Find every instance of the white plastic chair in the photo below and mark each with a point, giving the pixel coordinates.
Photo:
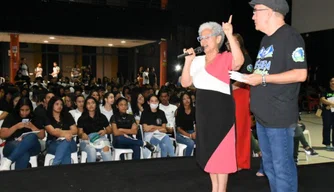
(145, 153)
(180, 148)
(308, 135)
(116, 154)
(32, 161)
(49, 159)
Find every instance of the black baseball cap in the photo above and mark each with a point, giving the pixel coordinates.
(280, 6)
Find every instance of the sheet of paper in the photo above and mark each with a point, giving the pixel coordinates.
(331, 99)
(62, 138)
(237, 76)
(185, 136)
(31, 132)
(157, 134)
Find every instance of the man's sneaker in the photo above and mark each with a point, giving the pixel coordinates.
(150, 147)
(329, 148)
(311, 152)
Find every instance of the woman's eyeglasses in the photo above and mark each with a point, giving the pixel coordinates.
(200, 38)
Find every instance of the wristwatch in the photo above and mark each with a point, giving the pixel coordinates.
(264, 80)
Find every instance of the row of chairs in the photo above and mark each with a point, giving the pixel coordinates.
(116, 153)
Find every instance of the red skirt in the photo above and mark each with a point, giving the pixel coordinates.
(243, 127)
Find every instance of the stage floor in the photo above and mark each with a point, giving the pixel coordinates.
(154, 175)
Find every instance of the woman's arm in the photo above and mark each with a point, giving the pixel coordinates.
(31, 126)
(109, 129)
(183, 132)
(132, 131)
(53, 131)
(162, 128)
(149, 128)
(74, 129)
(82, 135)
(6, 132)
(238, 56)
(3, 115)
(115, 130)
(325, 101)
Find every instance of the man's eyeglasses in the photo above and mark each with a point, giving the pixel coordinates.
(200, 38)
(256, 10)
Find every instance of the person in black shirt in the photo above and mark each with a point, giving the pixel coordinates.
(247, 67)
(92, 121)
(5, 101)
(40, 110)
(242, 111)
(61, 129)
(152, 76)
(185, 122)
(124, 127)
(327, 99)
(280, 68)
(18, 147)
(154, 123)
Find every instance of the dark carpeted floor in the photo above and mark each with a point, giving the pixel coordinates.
(155, 175)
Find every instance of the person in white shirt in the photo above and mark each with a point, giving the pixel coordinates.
(169, 110)
(38, 70)
(127, 96)
(137, 102)
(56, 70)
(24, 67)
(75, 73)
(146, 80)
(106, 107)
(79, 103)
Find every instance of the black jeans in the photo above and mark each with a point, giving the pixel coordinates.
(328, 126)
(299, 137)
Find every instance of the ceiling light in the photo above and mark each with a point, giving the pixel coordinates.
(46, 41)
(110, 44)
(51, 37)
(123, 41)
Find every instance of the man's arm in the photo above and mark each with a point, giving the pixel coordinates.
(292, 76)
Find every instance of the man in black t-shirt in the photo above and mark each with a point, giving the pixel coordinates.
(328, 116)
(278, 71)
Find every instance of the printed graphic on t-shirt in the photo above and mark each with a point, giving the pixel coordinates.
(328, 95)
(262, 65)
(298, 55)
(250, 68)
(159, 121)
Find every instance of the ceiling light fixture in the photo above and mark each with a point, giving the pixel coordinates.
(123, 42)
(46, 41)
(51, 37)
(110, 44)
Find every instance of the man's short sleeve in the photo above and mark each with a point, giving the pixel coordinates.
(295, 50)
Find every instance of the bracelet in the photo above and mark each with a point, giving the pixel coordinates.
(264, 80)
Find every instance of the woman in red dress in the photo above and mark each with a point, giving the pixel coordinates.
(242, 109)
